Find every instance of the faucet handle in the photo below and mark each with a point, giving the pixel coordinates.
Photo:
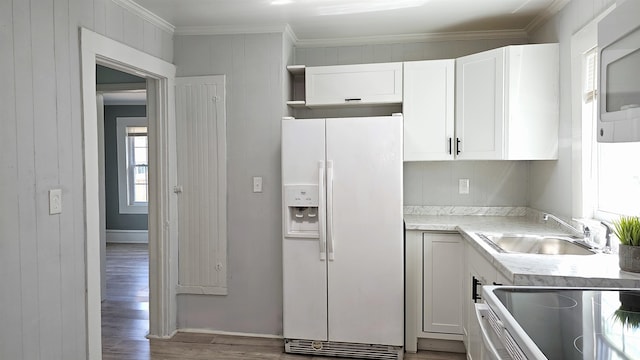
(607, 236)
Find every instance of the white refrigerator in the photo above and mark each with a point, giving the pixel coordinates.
(343, 251)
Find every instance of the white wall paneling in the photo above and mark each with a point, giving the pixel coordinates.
(42, 256)
(202, 176)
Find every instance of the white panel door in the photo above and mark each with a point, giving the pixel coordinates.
(304, 273)
(202, 173)
(480, 105)
(428, 109)
(364, 222)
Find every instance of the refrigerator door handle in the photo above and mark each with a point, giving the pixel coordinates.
(330, 235)
(322, 221)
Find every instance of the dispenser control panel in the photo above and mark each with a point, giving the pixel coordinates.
(301, 195)
(301, 215)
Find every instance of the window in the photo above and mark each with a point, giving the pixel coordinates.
(618, 179)
(133, 165)
(610, 171)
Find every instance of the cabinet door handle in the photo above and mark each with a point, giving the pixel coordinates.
(457, 146)
(352, 99)
(474, 289)
(450, 146)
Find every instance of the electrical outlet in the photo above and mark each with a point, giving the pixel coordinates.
(55, 201)
(257, 184)
(463, 186)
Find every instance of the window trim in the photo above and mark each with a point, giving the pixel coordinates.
(123, 204)
(583, 201)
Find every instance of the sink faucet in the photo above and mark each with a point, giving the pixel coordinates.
(607, 236)
(586, 232)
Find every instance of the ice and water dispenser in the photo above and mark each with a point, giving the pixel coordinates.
(301, 215)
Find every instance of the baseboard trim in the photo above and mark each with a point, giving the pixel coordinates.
(230, 333)
(128, 236)
(454, 346)
(157, 337)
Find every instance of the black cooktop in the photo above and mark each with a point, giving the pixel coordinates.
(581, 324)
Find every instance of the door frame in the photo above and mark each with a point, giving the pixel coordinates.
(163, 233)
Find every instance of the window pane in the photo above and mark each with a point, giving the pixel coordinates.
(137, 155)
(136, 130)
(619, 178)
(140, 193)
(140, 156)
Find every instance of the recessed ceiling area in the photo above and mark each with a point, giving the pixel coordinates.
(314, 20)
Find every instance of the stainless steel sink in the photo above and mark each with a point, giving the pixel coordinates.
(536, 244)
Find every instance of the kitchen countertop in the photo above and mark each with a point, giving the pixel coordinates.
(598, 270)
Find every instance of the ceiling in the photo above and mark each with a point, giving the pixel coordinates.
(322, 20)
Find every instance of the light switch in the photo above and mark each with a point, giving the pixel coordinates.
(463, 186)
(257, 184)
(55, 201)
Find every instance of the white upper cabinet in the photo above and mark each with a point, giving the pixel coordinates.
(507, 104)
(365, 84)
(428, 108)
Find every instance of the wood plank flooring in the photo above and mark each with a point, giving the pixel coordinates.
(125, 314)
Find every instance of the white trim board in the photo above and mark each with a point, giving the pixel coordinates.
(146, 14)
(231, 333)
(128, 236)
(163, 274)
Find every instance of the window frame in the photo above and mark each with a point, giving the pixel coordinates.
(584, 175)
(124, 206)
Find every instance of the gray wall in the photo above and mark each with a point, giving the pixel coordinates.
(256, 83)
(551, 181)
(115, 220)
(42, 266)
(253, 65)
(491, 183)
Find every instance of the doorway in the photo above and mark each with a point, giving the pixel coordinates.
(124, 178)
(160, 76)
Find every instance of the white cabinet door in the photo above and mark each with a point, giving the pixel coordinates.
(482, 272)
(480, 105)
(366, 274)
(443, 271)
(304, 273)
(428, 109)
(507, 103)
(354, 84)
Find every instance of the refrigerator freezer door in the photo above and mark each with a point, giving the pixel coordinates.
(366, 283)
(304, 272)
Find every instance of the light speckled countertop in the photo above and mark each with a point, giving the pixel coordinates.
(599, 270)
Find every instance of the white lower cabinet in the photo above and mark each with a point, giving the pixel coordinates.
(434, 292)
(442, 273)
(478, 272)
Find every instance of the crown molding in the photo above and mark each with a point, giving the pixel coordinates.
(547, 14)
(146, 15)
(426, 37)
(360, 40)
(288, 31)
(235, 29)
